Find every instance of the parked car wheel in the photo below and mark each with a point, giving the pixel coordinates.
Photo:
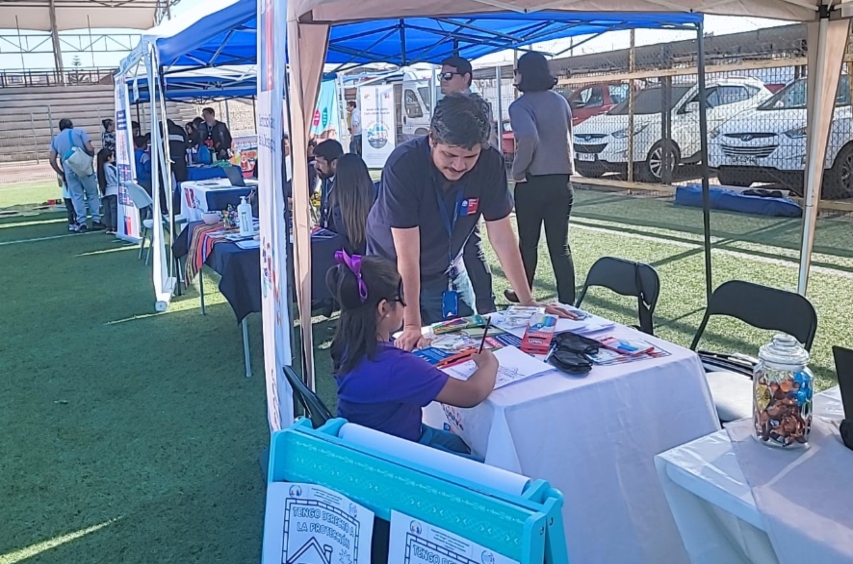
(732, 177)
(838, 181)
(652, 169)
(589, 170)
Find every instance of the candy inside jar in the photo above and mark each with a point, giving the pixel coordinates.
(782, 402)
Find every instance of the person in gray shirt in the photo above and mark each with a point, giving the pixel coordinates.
(541, 121)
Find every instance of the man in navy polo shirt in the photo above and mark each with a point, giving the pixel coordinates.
(434, 190)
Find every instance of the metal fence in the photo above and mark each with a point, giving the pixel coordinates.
(639, 129)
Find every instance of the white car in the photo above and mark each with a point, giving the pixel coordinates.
(769, 143)
(601, 142)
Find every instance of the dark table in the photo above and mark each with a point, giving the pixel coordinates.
(240, 270)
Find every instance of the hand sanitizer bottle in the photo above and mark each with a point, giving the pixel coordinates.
(244, 213)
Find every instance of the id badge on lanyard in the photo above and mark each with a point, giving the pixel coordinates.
(450, 297)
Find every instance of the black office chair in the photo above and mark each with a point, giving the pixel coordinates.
(730, 375)
(627, 278)
(315, 409)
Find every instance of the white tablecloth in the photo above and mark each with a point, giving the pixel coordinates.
(595, 438)
(194, 195)
(712, 501)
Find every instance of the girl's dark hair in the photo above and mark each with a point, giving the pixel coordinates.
(535, 74)
(355, 336)
(103, 156)
(355, 193)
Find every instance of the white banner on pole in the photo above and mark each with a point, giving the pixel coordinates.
(272, 45)
(128, 222)
(164, 282)
(379, 130)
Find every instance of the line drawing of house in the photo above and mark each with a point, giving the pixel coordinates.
(312, 553)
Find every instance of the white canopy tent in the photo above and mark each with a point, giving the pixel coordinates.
(309, 21)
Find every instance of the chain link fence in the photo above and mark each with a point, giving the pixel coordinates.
(636, 126)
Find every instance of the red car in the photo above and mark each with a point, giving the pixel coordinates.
(585, 101)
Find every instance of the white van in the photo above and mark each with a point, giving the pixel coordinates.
(768, 144)
(601, 142)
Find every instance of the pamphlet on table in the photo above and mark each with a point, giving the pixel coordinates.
(513, 366)
(412, 541)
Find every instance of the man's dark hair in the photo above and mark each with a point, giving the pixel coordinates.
(460, 120)
(106, 123)
(351, 104)
(197, 120)
(210, 111)
(462, 66)
(535, 74)
(65, 123)
(330, 150)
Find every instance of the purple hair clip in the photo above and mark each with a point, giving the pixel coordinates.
(354, 264)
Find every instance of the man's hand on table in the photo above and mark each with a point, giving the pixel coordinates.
(553, 309)
(411, 338)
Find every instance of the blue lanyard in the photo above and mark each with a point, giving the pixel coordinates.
(449, 223)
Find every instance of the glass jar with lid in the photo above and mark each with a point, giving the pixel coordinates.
(782, 394)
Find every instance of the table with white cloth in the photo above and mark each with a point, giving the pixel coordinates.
(594, 438)
(213, 195)
(713, 503)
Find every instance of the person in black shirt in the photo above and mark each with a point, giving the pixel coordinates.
(326, 156)
(215, 135)
(178, 145)
(433, 191)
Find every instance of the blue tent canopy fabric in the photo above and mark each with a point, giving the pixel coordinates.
(226, 34)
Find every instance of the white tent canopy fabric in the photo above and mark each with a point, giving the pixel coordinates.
(308, 34)
(339, 11)
(79, 14)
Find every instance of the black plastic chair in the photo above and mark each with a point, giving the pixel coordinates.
(762, 307)
(627, 278)
(315, 409)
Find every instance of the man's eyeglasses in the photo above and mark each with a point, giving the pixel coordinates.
(448, 76)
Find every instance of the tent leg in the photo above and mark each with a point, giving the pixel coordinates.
(703, 136)
(201, 290)
(827, 40)
(244, 326)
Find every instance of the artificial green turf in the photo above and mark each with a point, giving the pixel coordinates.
(114, 415)
(144, 425)
(20, 194)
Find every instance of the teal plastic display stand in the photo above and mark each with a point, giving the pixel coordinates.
(527, 528)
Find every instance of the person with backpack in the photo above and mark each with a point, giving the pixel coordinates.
(71, 155)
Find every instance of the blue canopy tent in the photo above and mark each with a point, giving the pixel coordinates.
(225, 33)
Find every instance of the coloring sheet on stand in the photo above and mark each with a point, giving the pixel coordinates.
(307, 523)
(415, 542)
(514, 364)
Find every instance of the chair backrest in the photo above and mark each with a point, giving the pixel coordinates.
(844, 372)
(138, 195)
(764, 308)
(314, 407)
(627, 278)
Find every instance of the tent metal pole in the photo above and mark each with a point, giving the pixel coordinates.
(403, 43)
(703, 139)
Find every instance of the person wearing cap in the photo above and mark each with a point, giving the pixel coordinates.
(82, 185)
(456, 77)
(542, 124)
(434, 190)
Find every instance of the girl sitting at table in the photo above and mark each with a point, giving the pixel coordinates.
(350, 201)
(108, 183)
(379, 385)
